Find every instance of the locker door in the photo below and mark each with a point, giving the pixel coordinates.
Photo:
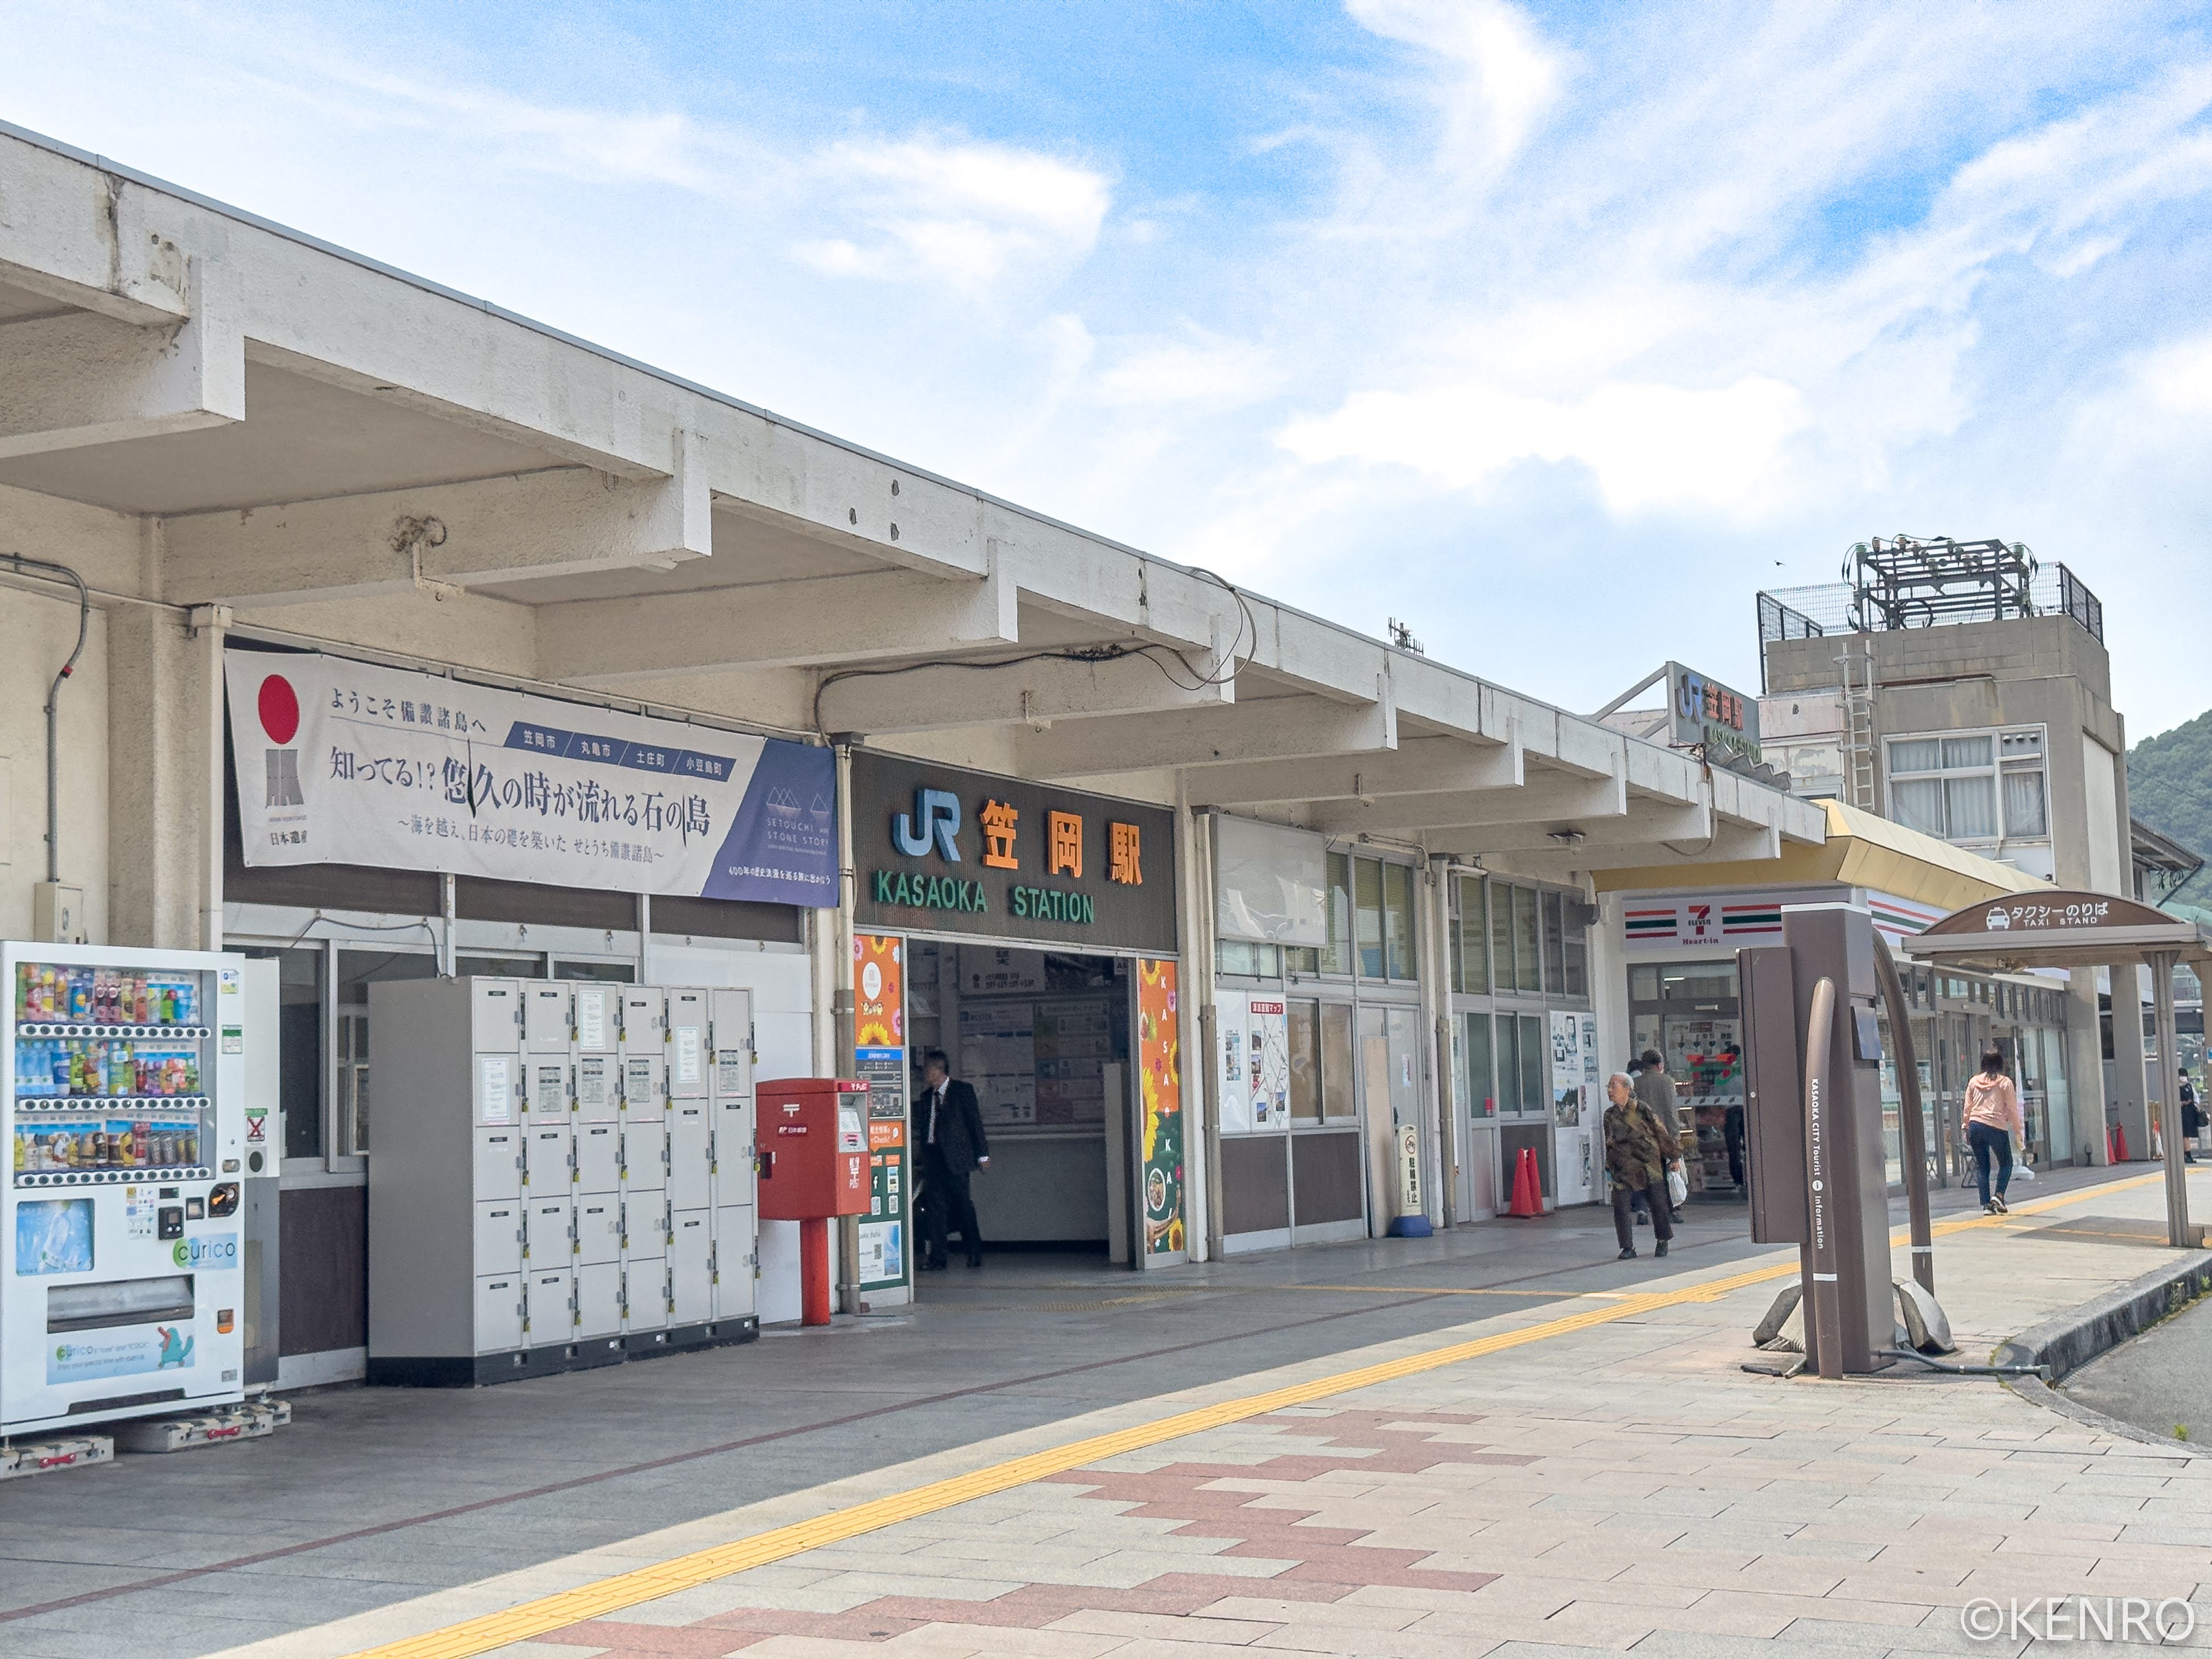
(548, 1232)
(645, 1157)
(599, 1155)
(687, 1045)
(499, 1236)
(598, 1299)
(599, 1084)
(645, 1293)
(732, 1027)
(545, 1082)
(734, 1151)
(690, 1270)
(498, 1163)
(498, 1313)
(599, 1227)
(688, 1154)
(643, 1010)
(498, 1085)
(549, 1158)
(644, 1087)
(644, 1223)
(597, 1019)
(545, 1022)
(548, 1305)
(735, 1250)
(495, 1015)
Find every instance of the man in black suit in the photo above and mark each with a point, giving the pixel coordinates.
(948, 1134)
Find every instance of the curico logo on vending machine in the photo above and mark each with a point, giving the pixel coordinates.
(211, 1254)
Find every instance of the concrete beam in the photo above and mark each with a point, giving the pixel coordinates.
(79, 379)
(1551, 799)
(1419, 765)
(1651, 826)
(823, 623)
(561, 522)
(83, 237)
(1729, 844)
(1276, 729)
(937, 697)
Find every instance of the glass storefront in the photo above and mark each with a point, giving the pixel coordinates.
(1689, 1013)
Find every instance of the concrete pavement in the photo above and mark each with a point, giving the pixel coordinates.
(1593, 1475)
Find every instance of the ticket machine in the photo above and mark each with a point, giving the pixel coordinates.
(812, 1136)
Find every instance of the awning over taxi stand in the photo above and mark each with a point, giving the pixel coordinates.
(2057, 928)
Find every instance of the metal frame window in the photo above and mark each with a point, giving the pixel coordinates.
(1972, 787)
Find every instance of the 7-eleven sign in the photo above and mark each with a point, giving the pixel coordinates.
(1699, 926)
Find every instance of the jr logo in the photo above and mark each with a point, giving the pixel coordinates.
(936, 817)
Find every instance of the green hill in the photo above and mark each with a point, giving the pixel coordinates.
(2170, 788)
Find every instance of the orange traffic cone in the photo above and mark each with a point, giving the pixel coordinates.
(1527, 1191)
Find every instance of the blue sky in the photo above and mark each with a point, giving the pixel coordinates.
(1557, 331)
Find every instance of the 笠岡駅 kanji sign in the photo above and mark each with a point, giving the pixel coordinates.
(940, 849)
(347, 763)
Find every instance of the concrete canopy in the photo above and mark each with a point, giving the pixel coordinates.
(335, 450)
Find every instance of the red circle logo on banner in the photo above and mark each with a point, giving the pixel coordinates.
(279, 707)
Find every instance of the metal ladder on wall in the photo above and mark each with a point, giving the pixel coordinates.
(1859, 778)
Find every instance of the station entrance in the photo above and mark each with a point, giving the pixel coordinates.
(1044, 1039)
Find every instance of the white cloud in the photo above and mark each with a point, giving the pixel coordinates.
(1204, 372)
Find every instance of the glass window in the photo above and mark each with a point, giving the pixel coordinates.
(1577, 955)
(1367, 914)
(1303, 1021)
(299, 1045)
(1964, 751)
(1501, 938)
(490, 967)
(1336, 956)
(1535, 1061)
(1474, 1045)
(1509, 1065)
(1555, 947)
(1338, 1097)
(2025, 810)
(1252, 961)
(1398, 921)
(1917, 754)
(1301, 959)
(1970, 808)
(1918, 804)
(1643, 985)
(1526, 956)
(358, 972)
(614, 973)
(1470, 936)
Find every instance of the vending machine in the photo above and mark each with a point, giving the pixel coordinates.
(122, 1291)
(563, 1178)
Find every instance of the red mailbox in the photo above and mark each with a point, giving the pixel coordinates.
(813, 1138)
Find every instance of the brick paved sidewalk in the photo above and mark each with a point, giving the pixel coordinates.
(1622, 1486)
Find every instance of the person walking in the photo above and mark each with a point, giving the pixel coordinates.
(949, 1131)
(2192, 1119)
(1993, 1118)
(1656, 1090)
(1638, 1147)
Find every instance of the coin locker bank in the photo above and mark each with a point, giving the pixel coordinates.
(122, 1287)
(1029, 931)
(567, 1180)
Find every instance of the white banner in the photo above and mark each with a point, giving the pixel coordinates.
(345, 762)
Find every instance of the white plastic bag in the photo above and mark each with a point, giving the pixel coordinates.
(1677, 1185)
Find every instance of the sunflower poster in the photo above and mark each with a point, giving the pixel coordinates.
(879, 991)
(1159, 1058)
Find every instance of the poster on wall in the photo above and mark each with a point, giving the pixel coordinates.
(345, 762)
(1159, 1058)
(879, 1060)
(1231, 1012)
(1268, 1063)
(1567, 1066)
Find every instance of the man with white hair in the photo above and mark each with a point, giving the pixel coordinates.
(1638, 1147)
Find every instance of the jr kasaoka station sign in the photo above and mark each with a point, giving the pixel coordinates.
(345, 762)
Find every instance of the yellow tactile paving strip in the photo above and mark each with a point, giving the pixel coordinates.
(595, 1600)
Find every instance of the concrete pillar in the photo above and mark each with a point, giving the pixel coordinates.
(2085, 1068)
(164, 778)
(1195, 945)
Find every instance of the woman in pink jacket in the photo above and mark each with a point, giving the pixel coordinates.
(1992, 1119)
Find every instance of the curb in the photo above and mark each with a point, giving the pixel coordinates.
(2075, 1338)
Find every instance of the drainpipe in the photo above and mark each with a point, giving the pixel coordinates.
(53, 703)
(208, 623)
(1436, 998)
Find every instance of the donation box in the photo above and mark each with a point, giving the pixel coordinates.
(813, 1144)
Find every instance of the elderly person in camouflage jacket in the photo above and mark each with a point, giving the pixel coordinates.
(1638, 1147)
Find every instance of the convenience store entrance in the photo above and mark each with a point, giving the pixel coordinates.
(1044, 1038)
